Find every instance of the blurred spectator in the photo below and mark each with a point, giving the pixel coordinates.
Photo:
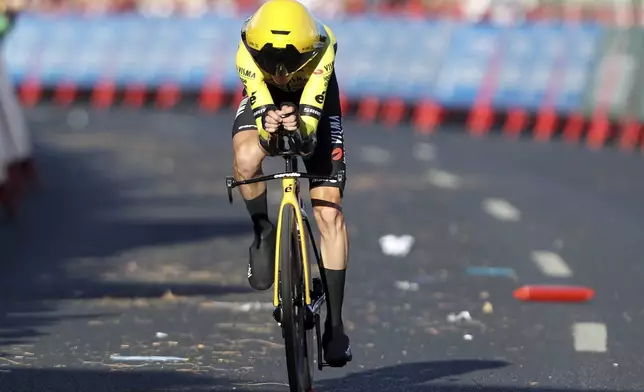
(156, 8)
(504, 11)
(324, 8)
(193, 8)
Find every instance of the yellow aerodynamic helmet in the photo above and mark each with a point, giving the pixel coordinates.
(282, 37)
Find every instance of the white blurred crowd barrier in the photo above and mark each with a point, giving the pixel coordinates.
(16, 152)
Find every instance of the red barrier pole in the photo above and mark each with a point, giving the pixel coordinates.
(547, 117)
(368, 109)
(482, 115)
(609, 76)
(134, 95)
(575, 120)
(104, 91)
(212, 96)
(574, 128)
(104, 94)
(393, 111)
(168, 95)
(65, 93)
(629, 126)
(344, 104)
(631, 134)
(30, 90)
(239, 95)
(599, 129)
(516, 122)
(427, 116)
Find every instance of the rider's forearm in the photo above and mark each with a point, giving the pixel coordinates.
(309, 120)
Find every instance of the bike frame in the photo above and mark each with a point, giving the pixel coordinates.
(291, 197)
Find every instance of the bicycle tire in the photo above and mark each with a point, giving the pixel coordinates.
(293, 308)
(307, 334)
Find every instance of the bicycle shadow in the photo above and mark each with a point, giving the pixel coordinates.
(414, 377)
(407, 377)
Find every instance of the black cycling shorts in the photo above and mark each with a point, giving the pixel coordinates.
(329, 155)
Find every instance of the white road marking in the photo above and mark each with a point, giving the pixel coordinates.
(424, 152)
(375, 155)
(238, 306)
(551, 264)
(501, 210)
(590, 337)
(443, 179)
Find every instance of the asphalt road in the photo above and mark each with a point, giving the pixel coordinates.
(132, 249)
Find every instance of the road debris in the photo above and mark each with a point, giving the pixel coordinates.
(407, 286)
(161, 335)
(147, 358)
(464, 318)
(492, 271)
(398, 246)
(458, 317)
(488, 308)
(467, 336)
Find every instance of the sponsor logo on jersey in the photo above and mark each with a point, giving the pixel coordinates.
(242, 106)
(337, 154)
(311, 111)
(246, 73)
(337, 134)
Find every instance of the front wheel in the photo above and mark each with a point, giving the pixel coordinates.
(296, 338)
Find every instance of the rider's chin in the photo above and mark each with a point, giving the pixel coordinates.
(281, 79)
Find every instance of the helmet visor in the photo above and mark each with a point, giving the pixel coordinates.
(281, 61)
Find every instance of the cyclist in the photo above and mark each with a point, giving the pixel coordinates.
(286, 56)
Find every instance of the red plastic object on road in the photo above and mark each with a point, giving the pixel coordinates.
(554, 293)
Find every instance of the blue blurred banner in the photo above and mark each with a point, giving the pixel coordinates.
(452, 63)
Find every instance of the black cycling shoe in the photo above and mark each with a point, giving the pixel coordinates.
(336, 346)
(261, 267)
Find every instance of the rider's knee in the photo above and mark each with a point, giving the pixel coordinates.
(328, 214)
(248, 159)
(329, 220)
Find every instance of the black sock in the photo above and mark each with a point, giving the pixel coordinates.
(335, 295)
(258, 211)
